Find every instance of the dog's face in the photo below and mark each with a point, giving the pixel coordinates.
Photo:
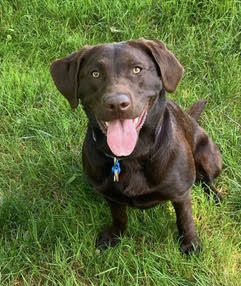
(116, 84)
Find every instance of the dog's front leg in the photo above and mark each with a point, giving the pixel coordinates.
(110, 237)
(185, 224)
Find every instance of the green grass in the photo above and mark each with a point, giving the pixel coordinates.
(49, 215)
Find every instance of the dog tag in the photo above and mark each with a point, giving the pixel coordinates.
(116, 170)
(116, 177)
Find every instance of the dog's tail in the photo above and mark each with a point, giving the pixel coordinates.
(196, 109)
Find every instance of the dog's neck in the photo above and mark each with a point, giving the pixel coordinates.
(154, 120)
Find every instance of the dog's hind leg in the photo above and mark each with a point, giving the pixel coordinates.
(208, 165)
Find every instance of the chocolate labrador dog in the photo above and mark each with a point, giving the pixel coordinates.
(140, 148)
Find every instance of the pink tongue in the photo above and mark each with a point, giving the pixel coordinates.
(121, 137)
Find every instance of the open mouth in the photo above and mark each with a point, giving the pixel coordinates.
(122, 134)
(138, 122)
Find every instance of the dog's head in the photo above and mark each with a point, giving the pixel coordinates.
(116, 84)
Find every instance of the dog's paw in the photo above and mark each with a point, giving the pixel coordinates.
(189, 247)
(218, 198)
(106, 239)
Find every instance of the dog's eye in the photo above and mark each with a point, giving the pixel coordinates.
(95, 74)
(136, 70)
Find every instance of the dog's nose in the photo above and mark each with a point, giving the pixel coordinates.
(117, 102)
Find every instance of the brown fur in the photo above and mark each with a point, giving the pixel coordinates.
(172, 151)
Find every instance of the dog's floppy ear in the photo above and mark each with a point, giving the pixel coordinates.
(170, 68)
(65, 75)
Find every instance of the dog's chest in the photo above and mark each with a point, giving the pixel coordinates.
(138, 185)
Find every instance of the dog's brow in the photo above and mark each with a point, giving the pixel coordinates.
(101, 62)
(136, 62)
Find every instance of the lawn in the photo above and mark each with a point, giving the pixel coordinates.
(49, 214)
